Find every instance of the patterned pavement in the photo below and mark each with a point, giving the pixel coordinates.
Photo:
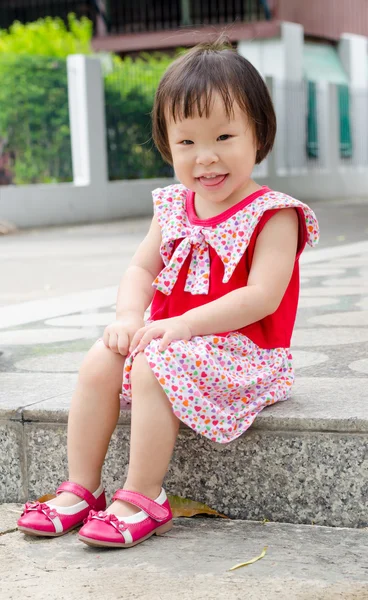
(330, 338)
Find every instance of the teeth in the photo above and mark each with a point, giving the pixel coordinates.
(210, 176)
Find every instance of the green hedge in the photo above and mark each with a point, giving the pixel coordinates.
(129, 92)
(34, 117)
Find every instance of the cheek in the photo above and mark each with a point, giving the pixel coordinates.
(181, 162)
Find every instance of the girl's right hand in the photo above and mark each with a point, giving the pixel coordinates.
(119, 334)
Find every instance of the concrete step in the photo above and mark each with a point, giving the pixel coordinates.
(191, 562)
(303, 461)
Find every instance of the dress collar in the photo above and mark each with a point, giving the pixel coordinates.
(194, 220)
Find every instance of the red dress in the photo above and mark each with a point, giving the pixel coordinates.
(218, 383)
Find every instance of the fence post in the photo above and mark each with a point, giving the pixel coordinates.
(353, 52)
(333, 150)
(271, 158)
(87, 120)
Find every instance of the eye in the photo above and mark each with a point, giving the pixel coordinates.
(186, 142)
(224, 137)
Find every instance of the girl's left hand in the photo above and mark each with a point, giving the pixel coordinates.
(168, 329)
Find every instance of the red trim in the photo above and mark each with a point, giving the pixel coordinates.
(194, 220)
(188, 36)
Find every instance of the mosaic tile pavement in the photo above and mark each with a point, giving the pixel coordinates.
(330, 337)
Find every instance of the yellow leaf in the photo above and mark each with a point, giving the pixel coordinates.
(251, 561)
(184, 507)
(46, 498)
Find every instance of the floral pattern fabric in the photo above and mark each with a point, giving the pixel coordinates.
(217, 385)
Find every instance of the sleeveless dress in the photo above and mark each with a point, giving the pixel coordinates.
(217, 384)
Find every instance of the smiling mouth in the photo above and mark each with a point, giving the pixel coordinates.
(212, 180)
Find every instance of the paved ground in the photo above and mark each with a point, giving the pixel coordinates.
(39, 264)
(57, 293)
(191, 562)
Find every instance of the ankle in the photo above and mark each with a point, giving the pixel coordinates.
(65, 499)
(92, 485)
(152, 491)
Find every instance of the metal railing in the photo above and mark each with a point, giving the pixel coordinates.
(27, 11)
(130, 16)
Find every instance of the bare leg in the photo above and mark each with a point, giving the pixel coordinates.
(154, 429)
(92, 419)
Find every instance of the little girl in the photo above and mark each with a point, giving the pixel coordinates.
(220, 269)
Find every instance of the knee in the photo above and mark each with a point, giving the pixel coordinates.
(101, 366)
(141, 370)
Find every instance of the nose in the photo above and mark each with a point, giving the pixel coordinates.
(206, 158)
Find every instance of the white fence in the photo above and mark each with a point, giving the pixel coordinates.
(92, 197)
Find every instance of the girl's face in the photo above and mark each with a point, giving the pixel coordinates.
(215, 156)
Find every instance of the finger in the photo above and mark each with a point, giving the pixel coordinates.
(105, 337)
(113, 342)
(151, 334)
(123, 342)
(166, 341)
(137, 338)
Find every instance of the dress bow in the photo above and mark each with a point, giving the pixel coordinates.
(199, 270)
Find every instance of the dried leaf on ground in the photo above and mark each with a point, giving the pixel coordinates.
(46, 498)
(185, 507)
(251, 561)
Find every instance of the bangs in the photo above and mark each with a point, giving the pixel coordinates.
(194, 94)
(198, 102)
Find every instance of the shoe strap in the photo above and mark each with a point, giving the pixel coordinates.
(153, 509)
(78, 490)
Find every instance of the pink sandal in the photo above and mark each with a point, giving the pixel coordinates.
(44, 519)
(103, 529)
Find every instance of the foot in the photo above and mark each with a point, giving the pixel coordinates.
(125, 509)
(51, 520)
(68, 499)
(65, 499)
(105, 529)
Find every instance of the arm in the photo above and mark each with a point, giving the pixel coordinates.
(135, 292)
(138, 278)
(272, 267)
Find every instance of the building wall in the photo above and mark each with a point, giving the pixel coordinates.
(325, 18)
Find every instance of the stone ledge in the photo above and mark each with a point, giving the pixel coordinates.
(337, 408)
(296, 477)
(302, 461)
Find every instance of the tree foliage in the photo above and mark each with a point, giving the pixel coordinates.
(49, 37)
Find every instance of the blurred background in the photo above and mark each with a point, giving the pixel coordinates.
(77, 80)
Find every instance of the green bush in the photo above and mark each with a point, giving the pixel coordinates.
(34, 117)
(48, 37)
